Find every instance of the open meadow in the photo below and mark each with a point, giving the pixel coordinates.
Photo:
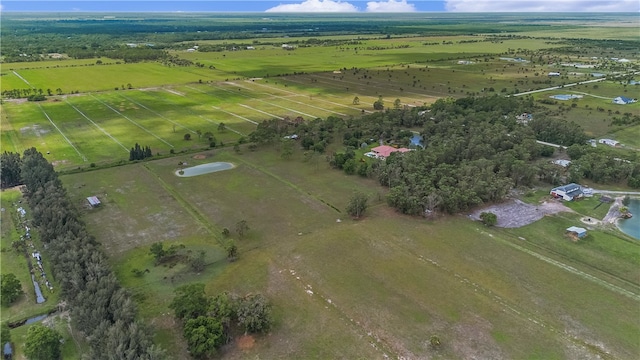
(380, 287)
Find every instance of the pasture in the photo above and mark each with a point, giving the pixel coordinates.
(379, 286)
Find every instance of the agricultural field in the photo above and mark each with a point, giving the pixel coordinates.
(378, 287)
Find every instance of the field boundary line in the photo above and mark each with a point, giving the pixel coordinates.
(264, 101)
(23, 79)
(226, 126)
(158, 114)
(262, 112)
(132, 121)
(331, 102)
(298, 102)
(236, 115)
(96, 125)
(63, 135)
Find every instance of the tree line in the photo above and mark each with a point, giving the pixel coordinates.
(100, 308)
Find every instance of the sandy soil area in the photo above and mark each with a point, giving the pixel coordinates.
(515, 213)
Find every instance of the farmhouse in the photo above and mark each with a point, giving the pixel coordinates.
(576, 232)
(567, 192)
(93, 201)
(609, 142)
(383, 151)
(622, 100)
(562, 162)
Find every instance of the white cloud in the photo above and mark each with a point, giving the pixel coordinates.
(543, 5)
(315, 6)
(390, 6)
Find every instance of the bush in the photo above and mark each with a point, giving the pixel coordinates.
(488, 218)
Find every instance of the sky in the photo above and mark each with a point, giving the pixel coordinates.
(342, 6)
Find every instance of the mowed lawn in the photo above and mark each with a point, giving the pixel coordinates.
(382, 285)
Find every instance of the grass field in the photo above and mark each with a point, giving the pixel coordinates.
(382, 285)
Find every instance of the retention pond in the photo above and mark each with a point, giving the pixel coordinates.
(631, 226)
(204, 169)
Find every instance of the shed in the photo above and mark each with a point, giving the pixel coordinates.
(577, 231)
(93, 201)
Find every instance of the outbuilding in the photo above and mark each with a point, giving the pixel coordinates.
(623, 100)
(577, 232)
(93, 201)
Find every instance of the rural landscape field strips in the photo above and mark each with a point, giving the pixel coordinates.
(96, 125)
(84, 158)
(158, 114)
(132, 121)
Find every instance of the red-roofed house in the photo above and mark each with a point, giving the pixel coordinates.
(383, 151)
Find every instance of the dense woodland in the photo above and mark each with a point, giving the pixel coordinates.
(100, 308)
(475, 152)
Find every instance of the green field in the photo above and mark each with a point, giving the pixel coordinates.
(388, 280)
(375, 288)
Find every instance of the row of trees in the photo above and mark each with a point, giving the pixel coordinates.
(100, 308)
(139, 153)
(210, 322)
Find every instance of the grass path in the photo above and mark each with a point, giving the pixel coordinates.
(615, 288)
(96, 125)
(84, 158)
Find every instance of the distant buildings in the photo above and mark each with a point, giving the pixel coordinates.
(609, 142)
(553, 74)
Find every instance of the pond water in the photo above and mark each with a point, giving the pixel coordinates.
(565, 97)
(204, 169)
(631, 226)
(416, 140)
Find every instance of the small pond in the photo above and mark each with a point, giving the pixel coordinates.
(416, 140)
(565, 97)
(631, 226)
(204, 169)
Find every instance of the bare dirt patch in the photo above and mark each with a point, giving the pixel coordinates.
(515, 213)
(59, 162)
(245, 342)
(200, 157)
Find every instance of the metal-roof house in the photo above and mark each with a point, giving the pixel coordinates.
(577, 231)
(567, 192)
(93, 201)
(623, 100)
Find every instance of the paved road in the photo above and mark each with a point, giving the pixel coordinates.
(596, 191)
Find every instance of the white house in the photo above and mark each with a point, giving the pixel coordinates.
(553, 74)
(567, 192)
(622, 100)
(609, 142)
